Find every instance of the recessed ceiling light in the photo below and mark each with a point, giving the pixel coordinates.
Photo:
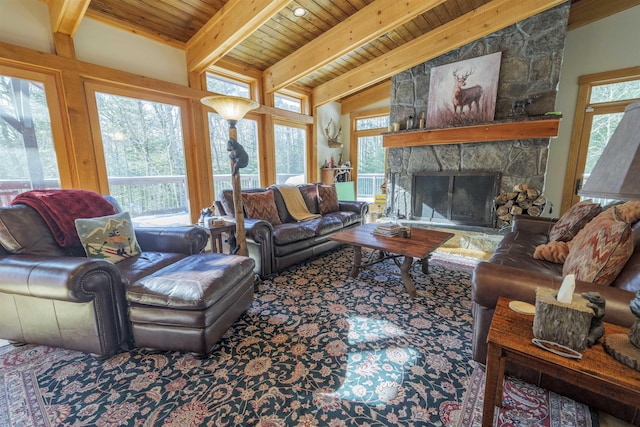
(299, 11)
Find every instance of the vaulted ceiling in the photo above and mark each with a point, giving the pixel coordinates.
(337, 48)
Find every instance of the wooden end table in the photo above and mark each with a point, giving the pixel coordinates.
(509, 339)
(216, 235)
(419, 245)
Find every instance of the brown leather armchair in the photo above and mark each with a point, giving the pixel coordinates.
(57, 296)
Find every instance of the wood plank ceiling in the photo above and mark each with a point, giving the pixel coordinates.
(338, 36)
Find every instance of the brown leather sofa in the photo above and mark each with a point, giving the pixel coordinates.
(57, 296)
(276, 247)
(512, 272)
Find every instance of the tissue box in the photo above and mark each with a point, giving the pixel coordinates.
(565, 324)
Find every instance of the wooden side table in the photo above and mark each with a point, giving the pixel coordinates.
(509, 339)
(216, 235)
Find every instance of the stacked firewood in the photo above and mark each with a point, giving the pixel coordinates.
(523, 200)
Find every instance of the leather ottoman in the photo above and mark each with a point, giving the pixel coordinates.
(189, 305)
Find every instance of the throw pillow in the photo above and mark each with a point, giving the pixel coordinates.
(261, 205)
(600, 250)
(327, 199)
(310, 195)
(629, 212)
(108, 237)
(553, 251)
(573, 220)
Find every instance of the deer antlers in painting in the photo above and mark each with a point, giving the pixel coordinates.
(465, 97)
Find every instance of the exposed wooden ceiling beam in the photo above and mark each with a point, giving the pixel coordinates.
(226, 29)
(367, 24)
(587, 11)
(65, 15)
(369, 96)
(478, 23)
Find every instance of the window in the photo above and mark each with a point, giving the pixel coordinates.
(370, 158)
(27, 152)
(288, 103)
(291, 154)
(144, 158)
(221, 165)
(602, 100)
(227, 86)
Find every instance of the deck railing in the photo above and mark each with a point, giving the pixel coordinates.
(167, 194)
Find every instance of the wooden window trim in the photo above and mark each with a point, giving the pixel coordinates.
(355, 134)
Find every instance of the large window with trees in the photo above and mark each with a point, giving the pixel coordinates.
(27, 149)
(220, 162)
(370, 156)
(291, 153)
(602, 99)
(144, 157)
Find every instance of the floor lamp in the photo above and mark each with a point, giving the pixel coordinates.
(232, 109)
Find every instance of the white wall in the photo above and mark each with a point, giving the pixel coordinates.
(324, 114)
(101, 44)
(26, 23)
(609, 44)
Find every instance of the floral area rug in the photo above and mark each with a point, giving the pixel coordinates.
(523, 405)
(315, 348)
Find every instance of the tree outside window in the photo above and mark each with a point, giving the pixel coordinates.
(144, 156)
(27, 151)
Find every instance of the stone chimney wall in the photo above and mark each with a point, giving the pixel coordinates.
(532, 53)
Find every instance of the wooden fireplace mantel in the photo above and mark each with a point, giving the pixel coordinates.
(497, 131)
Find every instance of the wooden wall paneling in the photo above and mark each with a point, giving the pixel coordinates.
(202, 193)
(85, 135)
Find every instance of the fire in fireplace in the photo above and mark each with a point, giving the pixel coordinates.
(462, 198)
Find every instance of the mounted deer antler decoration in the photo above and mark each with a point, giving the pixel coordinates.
(333, 140)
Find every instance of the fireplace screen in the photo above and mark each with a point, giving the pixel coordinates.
(455, 197)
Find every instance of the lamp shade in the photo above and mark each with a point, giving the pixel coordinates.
(230, 107)
(616, 174)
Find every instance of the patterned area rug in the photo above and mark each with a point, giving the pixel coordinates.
(316, 348)
(523, 405)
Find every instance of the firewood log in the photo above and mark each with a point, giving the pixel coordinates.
(534, 211)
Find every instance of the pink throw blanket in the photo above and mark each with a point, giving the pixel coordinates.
(60, 208)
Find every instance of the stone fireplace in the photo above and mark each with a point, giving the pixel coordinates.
(530, 70)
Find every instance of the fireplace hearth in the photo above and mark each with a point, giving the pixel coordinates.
(460, 198)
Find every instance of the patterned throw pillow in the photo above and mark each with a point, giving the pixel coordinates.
(310, 195)
(327, 199)
(600, 250)
(262, 206)
(108, 237)
(573, 220)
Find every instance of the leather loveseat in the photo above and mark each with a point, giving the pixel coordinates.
(512, 272)
(57, 296)
(276, 247)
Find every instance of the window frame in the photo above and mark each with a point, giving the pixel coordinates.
(309, 144)
(58, 117)
(188, 133)
(355, 134)
(585, 110)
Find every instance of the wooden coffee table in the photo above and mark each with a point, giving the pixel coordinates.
(419, 245)
(510, 340)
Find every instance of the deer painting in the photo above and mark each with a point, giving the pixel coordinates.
(465, 97)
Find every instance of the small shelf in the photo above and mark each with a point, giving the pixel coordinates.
(497, 131)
